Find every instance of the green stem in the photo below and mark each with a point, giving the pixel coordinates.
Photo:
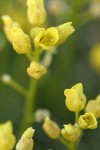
(29, 56)
(29, 106)
(73, 146)
(68, 145)
(18, 87)
(65, 143)
(30, 100)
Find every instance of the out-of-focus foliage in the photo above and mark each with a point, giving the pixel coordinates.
(70, 65)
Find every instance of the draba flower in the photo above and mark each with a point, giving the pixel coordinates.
(7, 138)
(71, 133)
(21, 42)
(8, 24)
(93, 106)
(26, 141)
(51, 128)
(75, 98)
(36, 70)
(36, 12)
(87, 121)
(46, 38)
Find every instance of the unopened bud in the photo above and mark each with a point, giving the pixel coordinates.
(8, 24)
(26, 141)
(51, 128)
(87, 121)
(36, 70)
(75, 98)
(7, 138)
(71, 133)
(5, 78)
(41, 114)
(64, 31)
(36, 12)
(93, 106)
(21, 42)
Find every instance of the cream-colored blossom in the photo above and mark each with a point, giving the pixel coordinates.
(7, 138)
(93, 106)
(5, 78)
(26, 141)
(71, 133)
(87, 121)
(75, 98)
(51, 128)
(41, 114)
(36, 12)
(53, 36)
(36, 70)
(8, 24)
(21, 42)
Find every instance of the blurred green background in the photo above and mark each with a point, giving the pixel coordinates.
(70, 65)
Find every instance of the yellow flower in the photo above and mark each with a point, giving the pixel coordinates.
(75, 98)
(51, 128)
(36, 12)
(95, 57)
(52, 36)
(36, 70)
(21, 42)
(26, 141)
(93, 106)
(7, 138)
(71, 133)
(87, 121)
(8, 24)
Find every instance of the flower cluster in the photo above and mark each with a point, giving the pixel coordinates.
(75, 102)
(43, 39)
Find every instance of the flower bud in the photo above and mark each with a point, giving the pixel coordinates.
(7, 138)
(8, 24)
(64, 31)
(71, 133)
(26, 141)
(6, 78)
(51, 128)
(36, 12)
(87, 121)
(21, 42)
(93, 106)
(41, 114)
(35, 70)
(75, 98)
